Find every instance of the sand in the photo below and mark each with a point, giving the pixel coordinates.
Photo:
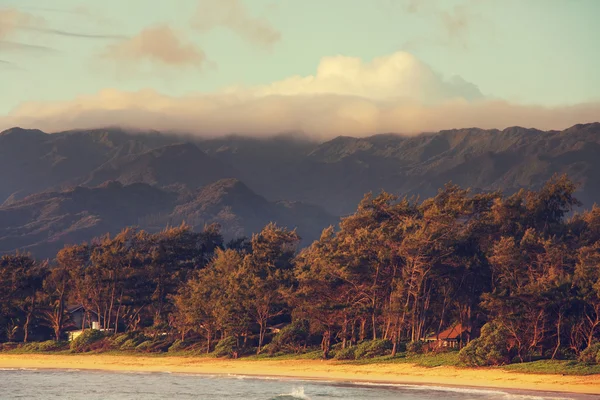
(313, 369)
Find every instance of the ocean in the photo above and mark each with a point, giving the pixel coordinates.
(92, 385)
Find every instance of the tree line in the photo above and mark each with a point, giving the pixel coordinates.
(398, 269)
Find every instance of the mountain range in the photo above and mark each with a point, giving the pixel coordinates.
(71, 186)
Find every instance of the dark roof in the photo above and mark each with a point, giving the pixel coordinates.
(74, 308)
(78, 307)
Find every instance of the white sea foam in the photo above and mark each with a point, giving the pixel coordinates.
(297, 393)
(465, 390)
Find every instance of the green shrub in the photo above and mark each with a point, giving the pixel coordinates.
(401, 347)
(349, 353)
(144, 346)
(135, 339)
(84, 341)
(160, 346)
(52, 345)
(118, 340)
(489, 349)
(292, 337)
(591, 355)
(9, 346)
(373, 348)
(129, 344)
(179, 345)
(226, 347)
(416, 347)
(561, 354)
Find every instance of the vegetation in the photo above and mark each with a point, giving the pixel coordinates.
(491, 348)
(521, 273)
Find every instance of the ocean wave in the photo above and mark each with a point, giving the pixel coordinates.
(465, 390)
(297, 393)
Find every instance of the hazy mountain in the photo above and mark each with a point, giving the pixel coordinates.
(178, 164)
(200, 181)
(337, 173)
(43, 223)
(241, 212)
(32, 161)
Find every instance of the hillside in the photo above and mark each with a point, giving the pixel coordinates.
(337, 173)
(45, 222)
(242, 182)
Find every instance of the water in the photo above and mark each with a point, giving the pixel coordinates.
(91, 385)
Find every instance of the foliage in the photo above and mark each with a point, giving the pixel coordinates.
(415, 347)
(349, 353)
(226, 347)
(292, 337)
(46, 346)
(87, 338)
(591, 355)
(119, 340)
(178, 345)
(555, 367)
(145, 345)
(373, 348)
(396, 271)
(489, 349)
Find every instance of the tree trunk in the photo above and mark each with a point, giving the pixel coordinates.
(28, 319)
(26, 328)
(326, 344)
(208, 341)
(558, 322)
(344, 331)
(363, 323)
(261, 336)
(373, 321)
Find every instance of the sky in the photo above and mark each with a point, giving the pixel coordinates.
(322, 67)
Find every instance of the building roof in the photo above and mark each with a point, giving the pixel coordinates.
(78, 307)
(74, 308)
(452, 333)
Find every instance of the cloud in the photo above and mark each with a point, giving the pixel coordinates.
(455, 24)
(76, 34)
(396, 76)
(11, 20)
(17, 46)
(156, 45)
(345, 96)
(233, 15)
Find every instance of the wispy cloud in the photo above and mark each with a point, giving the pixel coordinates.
(79, 10)
(455, 25)
(9, 65)
(75, 34)
(233, 15)
(17, 46)
(155, 45)
(12, 21)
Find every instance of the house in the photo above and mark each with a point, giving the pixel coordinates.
(277, 328)
(453, 337)
(80, 320)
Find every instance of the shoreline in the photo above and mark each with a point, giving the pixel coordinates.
(381, 374)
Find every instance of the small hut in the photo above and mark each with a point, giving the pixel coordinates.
(80, 320)
(453, 337)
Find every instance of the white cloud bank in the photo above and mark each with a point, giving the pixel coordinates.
(346, 96)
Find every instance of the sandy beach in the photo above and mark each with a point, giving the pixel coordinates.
(312, 369)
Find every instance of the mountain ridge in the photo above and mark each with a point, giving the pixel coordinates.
(284, 176)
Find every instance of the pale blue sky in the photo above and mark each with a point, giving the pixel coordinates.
(537, 52)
